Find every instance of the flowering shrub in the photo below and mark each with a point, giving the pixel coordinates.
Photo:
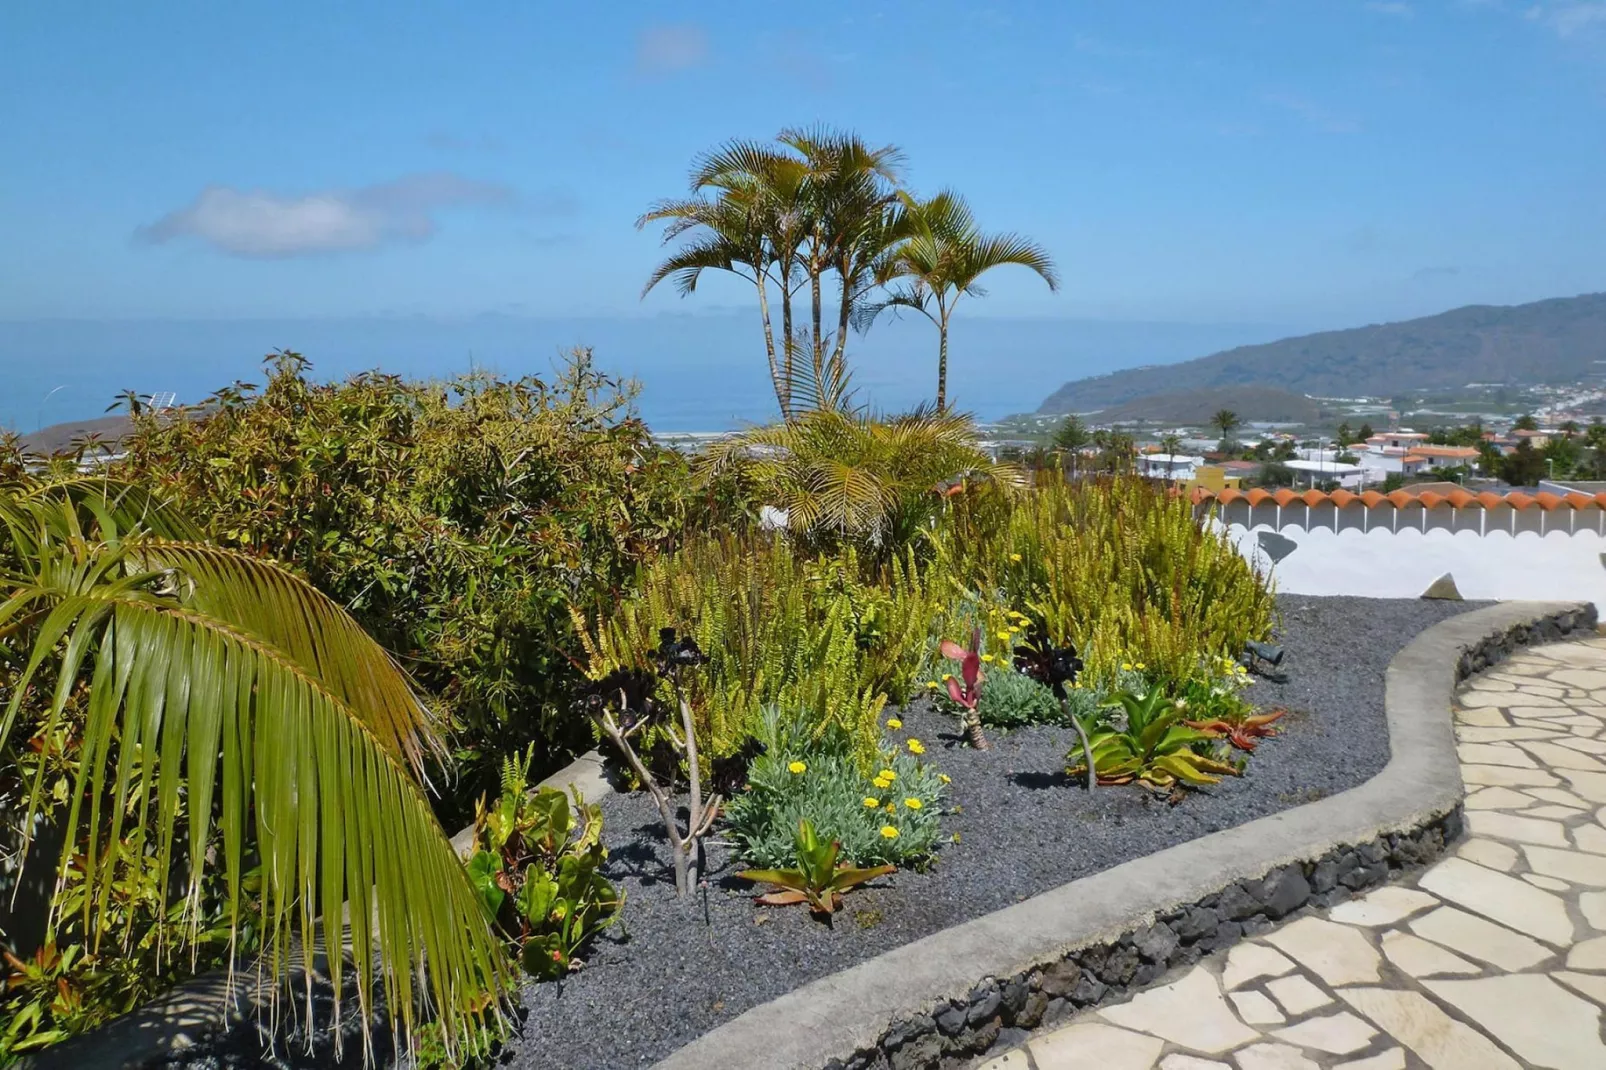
(892, 814)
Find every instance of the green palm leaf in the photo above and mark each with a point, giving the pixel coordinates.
(225, 682)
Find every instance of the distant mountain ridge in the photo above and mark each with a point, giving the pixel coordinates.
(1557, 340)
(1195, 408)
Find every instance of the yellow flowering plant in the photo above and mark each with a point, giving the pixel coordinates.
(841, 800)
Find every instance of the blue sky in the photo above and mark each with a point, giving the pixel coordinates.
(1297, 163)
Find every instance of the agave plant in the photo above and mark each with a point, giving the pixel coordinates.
(817, 880)
(227, 682)
(1154, 745)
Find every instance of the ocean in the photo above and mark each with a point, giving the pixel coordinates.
(695, 372)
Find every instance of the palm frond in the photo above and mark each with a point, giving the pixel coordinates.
(990, 252)
(225, 685)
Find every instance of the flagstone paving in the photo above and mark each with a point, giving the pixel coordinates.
(1491, 959)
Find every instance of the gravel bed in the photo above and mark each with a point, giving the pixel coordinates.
(672, 970)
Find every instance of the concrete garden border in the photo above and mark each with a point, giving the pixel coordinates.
(942, 1000)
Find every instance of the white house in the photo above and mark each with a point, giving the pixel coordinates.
(1176, 466)
(1348, 476)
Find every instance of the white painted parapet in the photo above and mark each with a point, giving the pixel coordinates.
(1510, 546)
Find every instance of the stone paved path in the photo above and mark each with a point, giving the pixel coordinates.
(1494, 958)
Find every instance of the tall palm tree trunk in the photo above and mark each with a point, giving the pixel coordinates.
(789, 364)
(819, 338)
(769, 350)
(942, 362)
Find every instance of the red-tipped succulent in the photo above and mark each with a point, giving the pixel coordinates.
(967, 693)
(1245, 734)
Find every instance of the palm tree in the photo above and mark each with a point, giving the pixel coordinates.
(940, 256)
(1227, 421)
(751, 227)
(1071, 438)
(838, 471)
(224, 686)
(850, 197)
(784, 218)
(1170, 445)
(1116, 451)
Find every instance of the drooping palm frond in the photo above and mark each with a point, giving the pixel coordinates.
(225, 685)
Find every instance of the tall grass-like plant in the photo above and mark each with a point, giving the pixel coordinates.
(826, 635)
(222, 685)
(1123, 570)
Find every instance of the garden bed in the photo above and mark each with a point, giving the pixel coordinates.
(672, 969)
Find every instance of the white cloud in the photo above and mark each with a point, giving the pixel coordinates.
(258, 223)
(1568, 19)
(670, 49)
(1391, 7)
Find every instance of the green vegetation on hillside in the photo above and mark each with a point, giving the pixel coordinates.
(1547, 341)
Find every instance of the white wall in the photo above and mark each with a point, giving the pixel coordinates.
(1381, 563)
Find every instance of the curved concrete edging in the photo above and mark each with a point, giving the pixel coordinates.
(842, 1019)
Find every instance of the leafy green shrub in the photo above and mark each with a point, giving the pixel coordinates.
(537, 873)
(877, 818)
(822, 635)
(1010, 700)
(1215, 693)
(456, 520)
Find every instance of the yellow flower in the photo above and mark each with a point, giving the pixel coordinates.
(892, 808)
(913, 804)
(916, 747)
(870, 802)
(889, 832)
(988, 658)
(932, 684)
(944, 778)
(888, 775)
(947, 676)
(893, 722)
(1141, 666)
(1003, 637)
(798, 767)
(1126, 666)
(1015, 558)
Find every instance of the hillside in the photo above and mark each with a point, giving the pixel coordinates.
(59, 438)
(1545, 342)
(1194, 408)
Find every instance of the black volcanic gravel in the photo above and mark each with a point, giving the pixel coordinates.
(672, 970)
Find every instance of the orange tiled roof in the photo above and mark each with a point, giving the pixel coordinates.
(1456, 499)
